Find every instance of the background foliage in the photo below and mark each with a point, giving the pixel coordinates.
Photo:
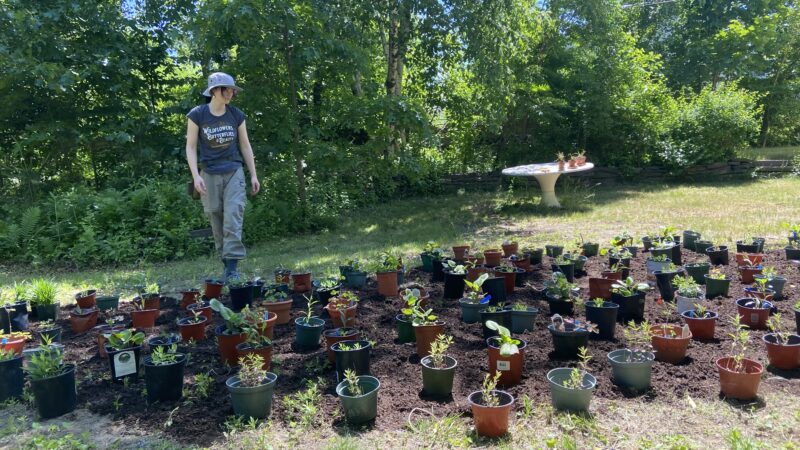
(352, 102)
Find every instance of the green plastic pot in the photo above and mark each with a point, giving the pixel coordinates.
(522, 321)
(590, 249)
(689, 238)
(405, 330)
(361, 408)
(356, 279)
(106, 302)
(566, 399)
(716, 288)
(254, 401)
(427, 262)
(701, 245)
(634, 375)
(698, 271)
(438, 382)
(554, 251)
(470, 312)
(307, 334)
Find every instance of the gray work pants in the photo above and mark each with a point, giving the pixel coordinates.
(224, 206)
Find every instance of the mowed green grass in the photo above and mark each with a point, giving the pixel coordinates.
(721, 212)
(771, 152)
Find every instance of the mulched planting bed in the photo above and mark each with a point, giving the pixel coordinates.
(200, 420)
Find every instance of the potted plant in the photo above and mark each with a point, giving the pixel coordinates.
(687, 293)
(773, 281)
(656, 263)
(633, 366)
(49, 330)
(783, 348)
(474, 300)
(251, 390)
(492, 256)
(164, 340)
(793, 251)
(189, 296)
(301, 280)
(112, 324)
(123, 349)
(144, 316)
(748, 269)
(86, 298)
(336, 335)
(426, 328)
(12, 379)
(359, 395)
(702, 323)
(564, 264)
(745, 246)
(43, 299)
(663, 248)
(52, 383)
(405, 328)
(277, 302)
(509, 275)
(739, 377)
(460, 252)
(571, 388)
(569, 335)
(149, 296)
(754, 312)
(618, 255)
(308, 328)
(356, 277)
(491, 408)
(614, 272)
(629, 295)
(256, 343)
(438, 369)
(386, 268)
(664, 281)
(193, 328)
(498, 313)
(604, 314)
(82, 320)
(213, 288)
(717, 284)
(521, 261)
(163, 374)
(697, 271)
(326, 288)
(506, 355)
(760, 289)
(231, 334)
(670, 342)
(533, 254)
(429, 252)
(477, 258)
(706, 247)
(689, 238)
(13, 341)
(351, 355)
(241, 292)
(454, 277)
(560, 294)
(523, 317)
(342, 309)
(561, 161)
(510, 247)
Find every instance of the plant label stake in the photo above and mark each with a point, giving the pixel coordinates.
(503, 366)
(124, 363)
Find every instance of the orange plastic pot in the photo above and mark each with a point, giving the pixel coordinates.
(747, 273)
(473, 273)
(192, 331)
(755, 318)
(493, 257)
(522, 263)
(491, 421)
(145, 318)
(425, 335)
(336, 316)
(508, 280)
(701, 327)
(189, 297)
(267, 327)
(510, 367)
(460, 252)
(282, 310)
(86, 299)
(509, 249)
(102, 330)
(611, 275)
(333, 336)
(152, 301)
(301, 282)
(244, 349)
(741, 385)
(81, 323)
(226, 343)
(14, 344)
(783, 356)
(755, 258)
(387, 283)
(213, 289)
(204, 310)
(601, 287)
(670, 349)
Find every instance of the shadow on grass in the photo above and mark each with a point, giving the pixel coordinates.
(756, 404)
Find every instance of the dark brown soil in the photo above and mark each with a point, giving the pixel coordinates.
(199, 420)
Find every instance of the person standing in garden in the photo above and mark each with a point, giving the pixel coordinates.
(218, 130)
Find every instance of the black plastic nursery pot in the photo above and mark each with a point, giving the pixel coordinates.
(124, 363)
(496, 287)
(521, 277)
(553, 251)
(355, 279)
(405, 329)
(55, 396)
(54, 334)
(702, 245)
(716, 288)
(106, 302)
(590, 249)
(324, 294)
(718, 255)
(666, 252)
(164, 342)
(630, 308)
(454, 285)
(566, 344)
(742, 247)
(438, 269)
(664, 283)
(536, 256)
(307, 334)
(567, 269)
(792, 253)
(46, 312)
(559, 306)
(164, 382)
(438, 382)
(605, 317)
(502, 317)
(698, 271)
(355, 360)
(689, 238)
(623, 262)
(241, 297)
(12, 379)
(676, 254)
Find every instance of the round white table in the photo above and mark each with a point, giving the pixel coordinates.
(546, 174)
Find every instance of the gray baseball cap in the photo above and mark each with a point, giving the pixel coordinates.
(217, 79)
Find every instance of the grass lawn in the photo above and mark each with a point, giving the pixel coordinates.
(770, 153)
(722, 212)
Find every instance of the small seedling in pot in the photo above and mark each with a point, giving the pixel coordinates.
(488, 395)
(519, 307)
(508, 345)
(423, 317)
(639, 339)
(740, 339)
(162, 357)
(576, 376)
(352, 383)
(475, 290)
(598, 302)
(252, 373)
(439, 348)
(774, 324)
(716, 274)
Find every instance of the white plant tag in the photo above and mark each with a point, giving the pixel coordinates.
(124, 363)
(504, 366)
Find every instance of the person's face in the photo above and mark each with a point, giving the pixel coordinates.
(226, 93)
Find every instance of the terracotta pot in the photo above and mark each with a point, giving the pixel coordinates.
(473, 273)
(152, 302)
(475, 261)
(16, 344)
(213, 289)
(267, 327)
(86, 299)
(332, 337)
(425, 335)
(510, 367)
(336, 316)
(226, 343)
(80, 323)
(748, 272)
(572, 163)
(192, 331)
(282, 310)
(561, 165)
(753, 292)
(301, 282)
(145, 318)
(739, 385)
(204, 310)
(189, 297)
(755, 258)
(102, 330)
(493, 257)
(508, 280)
(581, 160)
(509, 249)
(670, 349)
(460, 252)
(783, 356)
(607, 274)
(701, 327)
(755, 318)
(387, 283)
(244, 349)
(601, 287)
(523, 263)
(491, 421)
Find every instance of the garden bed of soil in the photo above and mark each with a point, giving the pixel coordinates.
(199, 421)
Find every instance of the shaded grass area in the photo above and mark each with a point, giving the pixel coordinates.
(770, 153)
(722, 212)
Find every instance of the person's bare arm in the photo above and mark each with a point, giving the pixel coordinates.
(191, 156)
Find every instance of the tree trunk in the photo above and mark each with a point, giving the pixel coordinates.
(395, 48)
(292, 96)
(764, 127)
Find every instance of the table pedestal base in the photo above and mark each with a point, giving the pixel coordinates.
(547, 181)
